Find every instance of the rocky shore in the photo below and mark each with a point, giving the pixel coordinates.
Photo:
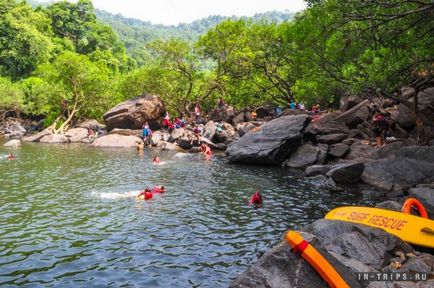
(333, 149)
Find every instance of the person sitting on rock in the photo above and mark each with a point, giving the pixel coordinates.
(205, 149)
(156, 160)
(90, 134)
(177, 122)
(196, 132)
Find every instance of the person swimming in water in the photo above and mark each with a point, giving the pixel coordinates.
(147, 194)
(205, 149)
(256, 199)
(156, 160)
(11, 156)
(158, 189)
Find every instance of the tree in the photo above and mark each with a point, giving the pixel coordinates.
(11, 98)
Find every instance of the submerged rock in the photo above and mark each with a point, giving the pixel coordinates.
(271, 144)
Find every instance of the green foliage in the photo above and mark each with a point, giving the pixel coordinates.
(11, 97)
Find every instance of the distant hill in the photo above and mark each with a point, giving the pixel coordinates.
(134, 32)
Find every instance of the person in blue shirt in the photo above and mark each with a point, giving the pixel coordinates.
(292, 105)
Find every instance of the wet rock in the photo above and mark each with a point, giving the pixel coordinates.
(338, 150)
(404, 168)
(77, 135)
(356, 115)
(13, 143)
(54, 139)
(346, 172)
(132, 114)
(324, 182)
(425, 194)
(330, 138)
(304, 156)
(272, 144)
(317, 170)
(117, 141)
(36, 137)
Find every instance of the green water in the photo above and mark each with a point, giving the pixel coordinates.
(69, 217)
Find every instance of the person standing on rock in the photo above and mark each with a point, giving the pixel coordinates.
(197, 113)
(381, 126)
(147, 133)
(166, 120)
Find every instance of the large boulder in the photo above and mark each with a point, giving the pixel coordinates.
(425, 194)
(54, 139)
(338, 150)
(326, 124)
(404, 168)
(36, 137)
(426, 105)
(272, 144)
(305, 155)
(360, 150)
(117, 141)
(346, 173)
(132, 114)
(13, 143)
(77, 135)
(356, 115)
(405, 117)
(209, 130)
(280, 268)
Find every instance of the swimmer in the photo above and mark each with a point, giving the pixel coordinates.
(205, 149)
(156, 160)
(256, 199)
(11, 156)
(158, 189)
(147, 194)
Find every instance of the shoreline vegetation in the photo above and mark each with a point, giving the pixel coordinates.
(344, 91)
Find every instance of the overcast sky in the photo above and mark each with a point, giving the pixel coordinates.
(170, 12)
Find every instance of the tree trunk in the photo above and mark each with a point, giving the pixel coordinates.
(420, 128)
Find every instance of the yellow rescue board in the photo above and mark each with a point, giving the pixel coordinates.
(412, 229)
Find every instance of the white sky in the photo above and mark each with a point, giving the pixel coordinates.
(172, 12)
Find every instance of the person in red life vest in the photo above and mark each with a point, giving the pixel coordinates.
(166, 120)
(158, 189)
(256, 199)
(11, 156)
(156, 160)
(205, 149)
(147, 194)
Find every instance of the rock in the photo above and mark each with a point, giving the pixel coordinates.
(355, 133)
(279, 267)
(117, 141)
(348, 102)
(127, 132)
(244, 128)
(170, 146)
(357, 245)
(91, 124)
(317, 170)
(177, 133)
(225, 113)
(356, 115)
(266, 110)
(360, 150)
(304, 156)
(220, 137)
(36, 137)
(272, 144)
(239, 117)
(185, 143)
(346, 173)
(209, 130)
(338, 150)
(331, 138)
(405, 117)
(323, 152)
(324, 182)
(229, 129)
(426, 105)
(13, 143)
(426, 196)
(390, 205)
(325, 125)
(407, 92)
(54, 139)
(404, 168)
(132, 114)
(14, 129)
(156, 138)
(77, 135)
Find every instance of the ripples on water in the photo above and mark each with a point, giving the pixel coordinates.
(69, 217)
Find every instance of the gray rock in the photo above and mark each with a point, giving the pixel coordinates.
(13, 143)
(176, 134)
(77, 135)
(348, 102)
(324, 182)
(36, 137)
(356, 115)
(317, 170)
(325, 125)
(185, 143)
(209, 130)
(360, 150)
(338, 150)
(404, 168)
(304, 156)
(117, 141)
(330, 138)
(405, 117)
(156, 138)
(91, 124)
(54, 139)
(279, 267)
(244, 128)
(390, 205)
(132, 114)
(225, 113)
(272, 144)
(346, 172)
(426, 196)
(170, 146)
(127, 132)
